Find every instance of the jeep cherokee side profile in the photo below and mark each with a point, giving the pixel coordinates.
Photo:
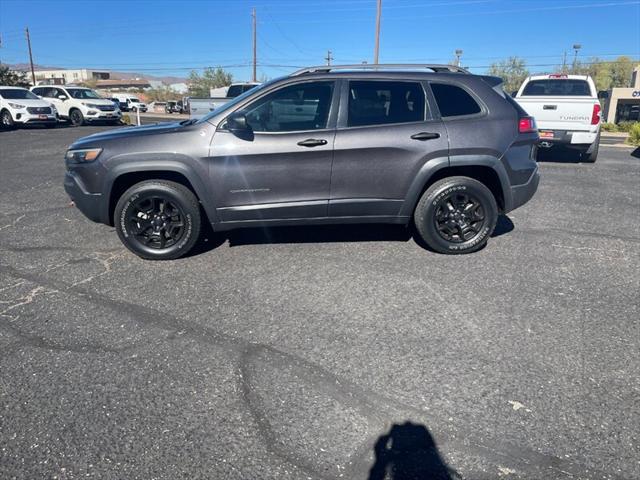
(428, 144)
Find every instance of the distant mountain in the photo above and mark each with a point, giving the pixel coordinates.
(116, 75)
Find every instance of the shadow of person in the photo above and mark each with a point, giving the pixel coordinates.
(408, 452)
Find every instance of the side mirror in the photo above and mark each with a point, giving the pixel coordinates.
(62, 97)
(238, 123)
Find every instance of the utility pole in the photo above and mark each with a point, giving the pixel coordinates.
(564, 62)
(458, 55)
(33, 73)
(328, 58)
(377, 47)
(255, 55)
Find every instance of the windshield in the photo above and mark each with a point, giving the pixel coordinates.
(82, 93)
(557, 87)
(134, 100)
(239, 99)
(17, 94)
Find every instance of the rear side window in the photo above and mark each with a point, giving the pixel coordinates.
(380, 103)
(454, 101)
(556, 87)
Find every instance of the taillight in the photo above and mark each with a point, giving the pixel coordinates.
(595, 116)
(527, 125)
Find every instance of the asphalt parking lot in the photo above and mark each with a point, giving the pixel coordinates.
(321, 353)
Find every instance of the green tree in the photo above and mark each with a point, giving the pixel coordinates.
(13, 79)
(161, 94)
(621, 69)
(200, 85)
(513, 71)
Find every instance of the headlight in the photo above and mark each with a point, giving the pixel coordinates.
(85, 155)
(15, 105)
(90, 105)
(53, 108)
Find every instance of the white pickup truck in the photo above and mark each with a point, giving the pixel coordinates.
(566, 109)
(199, 107)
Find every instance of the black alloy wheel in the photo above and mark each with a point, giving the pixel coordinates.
(456, 215)
(459, 217)
(155, 221)
(158, 219)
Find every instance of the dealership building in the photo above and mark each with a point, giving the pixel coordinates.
(623, 104)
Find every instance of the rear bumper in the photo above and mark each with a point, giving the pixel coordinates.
(90, 204)
(521, 194)
(569, 138)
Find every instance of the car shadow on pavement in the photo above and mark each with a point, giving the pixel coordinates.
(320, 234)
(558, 154)
(636, 153)
(409, 452)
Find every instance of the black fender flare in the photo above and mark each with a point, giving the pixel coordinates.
(174, 164)
(435, 165)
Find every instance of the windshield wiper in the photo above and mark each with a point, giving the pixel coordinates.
(191, 121)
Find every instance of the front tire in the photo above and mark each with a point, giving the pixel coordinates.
(158, 219)
(456, 215)
(7, 120)
(76, 117)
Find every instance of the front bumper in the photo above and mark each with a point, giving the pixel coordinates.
(33, 118)
(521, 194)
(90, 204)
(99, 115)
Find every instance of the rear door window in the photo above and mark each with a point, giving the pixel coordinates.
(557, 87)
(454, 101)
(382, 103)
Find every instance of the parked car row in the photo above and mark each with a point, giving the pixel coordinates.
(49, 104)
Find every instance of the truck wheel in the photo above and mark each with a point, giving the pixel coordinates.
(456, 215)
(76, 117)
(158, 219)
(6, 119)
(591, 155)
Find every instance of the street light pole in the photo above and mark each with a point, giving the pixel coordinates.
(576, 47)
(458, 55)
(376, 51)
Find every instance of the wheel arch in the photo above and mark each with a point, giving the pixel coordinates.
(123, 178)
(486, 169)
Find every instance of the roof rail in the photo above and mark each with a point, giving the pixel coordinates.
(435, 67)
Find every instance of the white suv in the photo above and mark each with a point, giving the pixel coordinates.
(79, 105)
(20, 106)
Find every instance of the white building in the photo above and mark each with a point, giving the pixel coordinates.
(72, 76)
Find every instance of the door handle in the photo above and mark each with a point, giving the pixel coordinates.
(312, 142)
(425, 136)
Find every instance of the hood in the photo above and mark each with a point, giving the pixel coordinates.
(127, 132)
(29, 102)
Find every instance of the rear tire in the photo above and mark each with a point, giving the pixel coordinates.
(158, 219)
(591, 155)
(76, 117)
(6, 120)
(456, 215)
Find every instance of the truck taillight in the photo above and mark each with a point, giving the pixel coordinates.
(527, 125)
(595, 116)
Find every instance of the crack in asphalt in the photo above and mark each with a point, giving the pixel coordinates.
(375, 407)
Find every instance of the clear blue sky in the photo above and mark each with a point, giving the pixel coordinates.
(163, 37)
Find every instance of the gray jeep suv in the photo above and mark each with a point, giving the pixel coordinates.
(431, 145)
